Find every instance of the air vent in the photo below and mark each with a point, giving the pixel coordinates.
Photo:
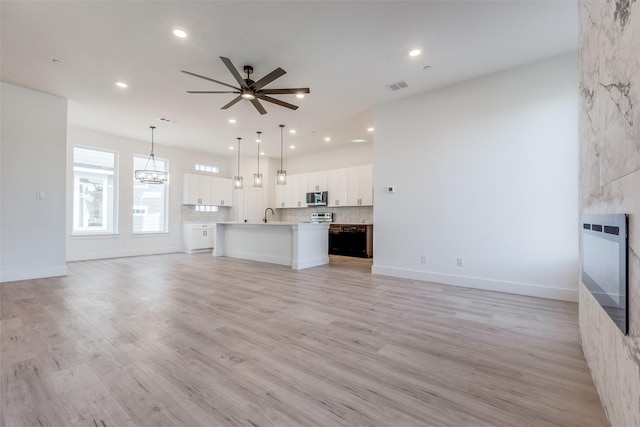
(397, 85)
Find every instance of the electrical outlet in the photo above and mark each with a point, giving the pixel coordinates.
(424, 259)
(460, 262)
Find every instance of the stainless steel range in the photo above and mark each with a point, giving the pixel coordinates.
(322, 217)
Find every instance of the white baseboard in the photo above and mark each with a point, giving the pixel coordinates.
(260, 257)
(528, 289)
(313, 262)
(84, 256)
(32, 273)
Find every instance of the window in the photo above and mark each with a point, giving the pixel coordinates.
(150, 201)
(94, 191)
(207, 168)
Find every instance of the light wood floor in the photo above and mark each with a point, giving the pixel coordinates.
(191, 340)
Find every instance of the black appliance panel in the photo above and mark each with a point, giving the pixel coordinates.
(349, 240)
(605, 269)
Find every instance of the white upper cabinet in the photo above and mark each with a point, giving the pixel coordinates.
(196, 189)
(345, 187)
(337, 187)
(206, 190)
(298, 190)
(317, 181)
(360, 186)
(283, 194)
(221, 191)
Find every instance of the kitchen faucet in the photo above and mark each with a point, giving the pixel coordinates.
(265, 214)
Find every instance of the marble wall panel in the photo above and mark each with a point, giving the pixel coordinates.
(610, 90)
(610, 183)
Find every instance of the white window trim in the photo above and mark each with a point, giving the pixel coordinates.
(116, 193)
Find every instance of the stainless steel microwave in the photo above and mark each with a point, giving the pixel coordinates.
(317, 198)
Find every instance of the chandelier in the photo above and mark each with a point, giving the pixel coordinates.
(153, 175)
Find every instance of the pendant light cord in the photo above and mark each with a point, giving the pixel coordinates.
(151, 158)
(239, 156)
(259, 141)
(281, 155)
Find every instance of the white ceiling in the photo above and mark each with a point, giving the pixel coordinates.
(345, 52)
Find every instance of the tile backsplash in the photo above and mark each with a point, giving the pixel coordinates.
(353, 215)
(188, 213)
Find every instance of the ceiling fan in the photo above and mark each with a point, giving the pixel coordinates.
(253, 91)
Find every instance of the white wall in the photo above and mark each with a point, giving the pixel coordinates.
(356, 155)
(32, 151)
(125, 243)
(485, 170)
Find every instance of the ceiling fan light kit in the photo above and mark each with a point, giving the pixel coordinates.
(250, 90)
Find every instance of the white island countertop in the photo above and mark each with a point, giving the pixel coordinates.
(296, 244)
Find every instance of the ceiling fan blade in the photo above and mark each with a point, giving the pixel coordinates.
(234, 72)
(291, 91)
(258, 106)
(233, 101)
(212, 91)
(211, 80)
(276, 101)
(278, 72)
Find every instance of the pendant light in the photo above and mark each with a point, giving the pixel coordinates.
(282, 174)
(257, 177)
(151, 176)
(237, 180)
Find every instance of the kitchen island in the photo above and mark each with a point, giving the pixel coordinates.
(298, 245)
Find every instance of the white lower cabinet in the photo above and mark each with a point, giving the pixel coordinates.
(198, 237)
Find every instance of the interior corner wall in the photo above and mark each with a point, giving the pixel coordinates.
(485, 171)
(125, 242)
(33, 146)
(610, 183)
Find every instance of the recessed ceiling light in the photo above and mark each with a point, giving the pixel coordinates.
(231, 147)
(164, 119)
(56, 62)
(262, 153)
(292, 146)
(358, 140)
(232, 120)
(292, 131)
(415, 52)
(122, 84)
(300, 95)
(370, 129)
(327, 139)
(179, 32)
